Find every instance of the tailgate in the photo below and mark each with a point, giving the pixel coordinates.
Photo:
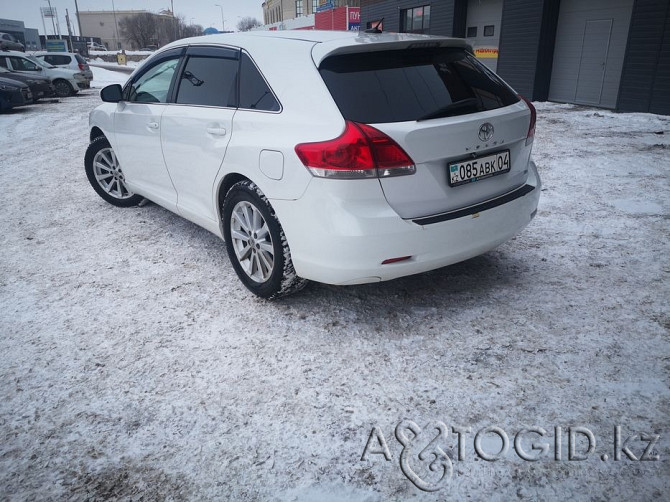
(447, 111)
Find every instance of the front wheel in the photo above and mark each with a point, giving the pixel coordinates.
(256, 243)
(105, 175)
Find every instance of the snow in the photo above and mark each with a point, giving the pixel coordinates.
(135, 364)
(114, 53)
(103, 77)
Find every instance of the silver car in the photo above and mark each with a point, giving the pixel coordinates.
(70, 60)
(9, 43)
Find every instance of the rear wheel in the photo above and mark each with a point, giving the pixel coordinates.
(256, 243)
(63, 88)
(105, 175)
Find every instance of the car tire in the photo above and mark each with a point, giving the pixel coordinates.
(63, 88)
(105, 175)
(256, 244)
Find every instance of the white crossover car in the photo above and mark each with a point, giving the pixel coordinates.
(336, 157)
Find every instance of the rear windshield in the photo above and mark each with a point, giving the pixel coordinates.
(412, 84)
(80, 59)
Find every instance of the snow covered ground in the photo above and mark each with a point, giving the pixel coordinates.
(135, 364)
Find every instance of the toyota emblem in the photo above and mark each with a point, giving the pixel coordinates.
(486, 131)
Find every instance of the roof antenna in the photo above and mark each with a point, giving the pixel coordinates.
(375, 29)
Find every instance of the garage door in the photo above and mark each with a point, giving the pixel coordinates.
(588, 55)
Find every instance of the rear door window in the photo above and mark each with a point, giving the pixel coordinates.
(209, 77)
(412, 84)
(57, 59)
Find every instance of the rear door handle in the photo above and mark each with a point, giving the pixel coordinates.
(152, 125)
(216, 131)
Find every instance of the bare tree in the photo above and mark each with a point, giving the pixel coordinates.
(192, 30)
(139, 29)
(246, 23)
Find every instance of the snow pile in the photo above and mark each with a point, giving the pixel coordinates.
(103, 77)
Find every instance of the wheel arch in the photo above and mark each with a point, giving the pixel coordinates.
(96, 132)
(224, 187)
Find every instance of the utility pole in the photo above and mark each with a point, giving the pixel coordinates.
(76, 8)
(116, 29)
(69, 31)
(51, 13)
(44, 25)
(174, 21)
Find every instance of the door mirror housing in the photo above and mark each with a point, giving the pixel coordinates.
(112, 93)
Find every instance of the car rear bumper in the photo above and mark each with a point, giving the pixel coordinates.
(341, 232)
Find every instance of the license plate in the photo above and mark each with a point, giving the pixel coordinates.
(471, 170)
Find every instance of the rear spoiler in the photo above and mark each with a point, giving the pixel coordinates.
(368, 42)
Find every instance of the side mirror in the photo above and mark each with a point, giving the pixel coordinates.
(112, 93)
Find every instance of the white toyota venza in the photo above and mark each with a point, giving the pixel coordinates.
(336, 157)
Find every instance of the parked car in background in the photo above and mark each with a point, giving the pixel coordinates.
(69, 60)
(66, 82)
(397, 154)
(40, 87)
(13, 93)
(95, 46)
(9, 43)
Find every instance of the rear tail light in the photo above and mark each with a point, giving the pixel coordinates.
(533, 119)
(82, 67)
(361, 151)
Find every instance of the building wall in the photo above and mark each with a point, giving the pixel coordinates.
(104, 24)
(645, 80)
(14, 28)
(533, 49)
(277, 11)
(441, 15)
(480, 14)
(32, 39)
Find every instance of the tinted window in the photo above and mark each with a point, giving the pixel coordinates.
(3, 62)
(23, 64)
(80, 59)
(254, 92)
(154, 84)
(57, 60)
(396, 86)
(209, 81)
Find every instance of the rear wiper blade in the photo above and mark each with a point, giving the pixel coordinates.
(456, 108)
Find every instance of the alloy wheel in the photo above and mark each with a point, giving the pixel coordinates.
(109, 175)
(252, 241)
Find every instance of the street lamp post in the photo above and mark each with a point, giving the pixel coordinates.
(116, 28)
(223, 27)
(51, 13)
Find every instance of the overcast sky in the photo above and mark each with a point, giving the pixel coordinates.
(203, 12)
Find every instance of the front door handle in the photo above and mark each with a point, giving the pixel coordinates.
(152, 125)
(216, 131)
